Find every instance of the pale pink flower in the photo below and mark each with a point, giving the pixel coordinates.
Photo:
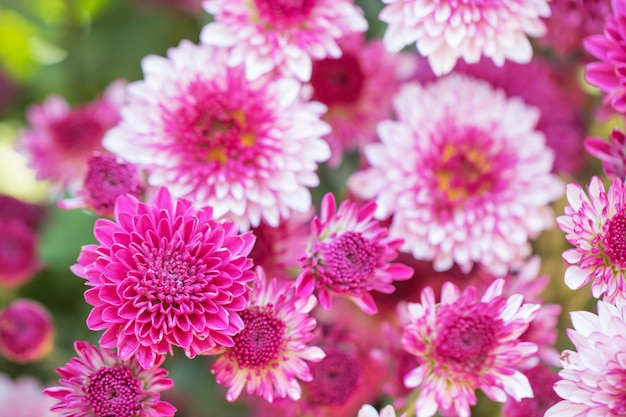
(164, 274)
(464, 173)
(596, 226)
(349, 255)
(463, 344)
(59, 139)
(357, 88)
(445, 31)
(282, 36)
(248, 149)
(269, 356)
(26, 331)
(610, 48)
(612, 153)
(100, 383)
(107, 178)
(23, 397)
(571, 21)
(594, 374)
(369, 411)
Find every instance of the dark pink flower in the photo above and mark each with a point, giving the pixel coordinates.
(165, 274)
(349, 255)
(26, 331)
(612, 153)
(18, 253)
(98, 383)
(542, 381)
(30, 214)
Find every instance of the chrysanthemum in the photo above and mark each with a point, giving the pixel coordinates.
(269, 356)
(596, 226)
(164, 274)
(594, 375)
(349, 255)
(23, 397)
(59, 139)
(612, 153)
(445, 31)
(107, 178)
(26, 331)
(610, 48)
(463, 172)
(571, 21)
(281, 35)
(357, 88)
(98, 383)
(464, 344)
(248, 149)
(369, 411)
(18, 253)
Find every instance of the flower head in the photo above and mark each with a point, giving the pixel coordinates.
(98, 383)
(106, 179)
(357, 89)
(196, 125)
(59, 139)
(445, 31)
(281, 36)
(464, 173)
(165, 274)
(26, 331)
(18, 253)
(594, 375)
(612, 153)
(270, 354)
(349, 255)
(596, 226)
(609, 48)
(464, 344)
(23, 397)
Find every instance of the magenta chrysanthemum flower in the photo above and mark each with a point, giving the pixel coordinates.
(463, 172)
(59, 139)
(596, 226)
(608, 73)
(26, 331)
(163, 275)
(594, 376)
(463, 344)
(283, 36)
(357, 88)
(248, 149)
(270, 354)
(445, 31)
(573, 20)
(18, 253)
(106, 179)
(612, 153)
(23, 397)
(369, 411)
(349, 255)
(98, 383)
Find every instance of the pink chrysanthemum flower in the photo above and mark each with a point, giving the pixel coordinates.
(26, 331)
(596, 226)
(163, 275)
(59, 139)
(369, 411)
(107, 178)
(610, 48)
(357, 88)
(23, 397)
(281, 35)
(269, 356)
(445, 31)
(571, 21)
(98, 383)
(18, 253)
(463, 172)
(248, 149)
(612, 153)
(594, 376)
(542, 381)
(349, 255)
(464, 344)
